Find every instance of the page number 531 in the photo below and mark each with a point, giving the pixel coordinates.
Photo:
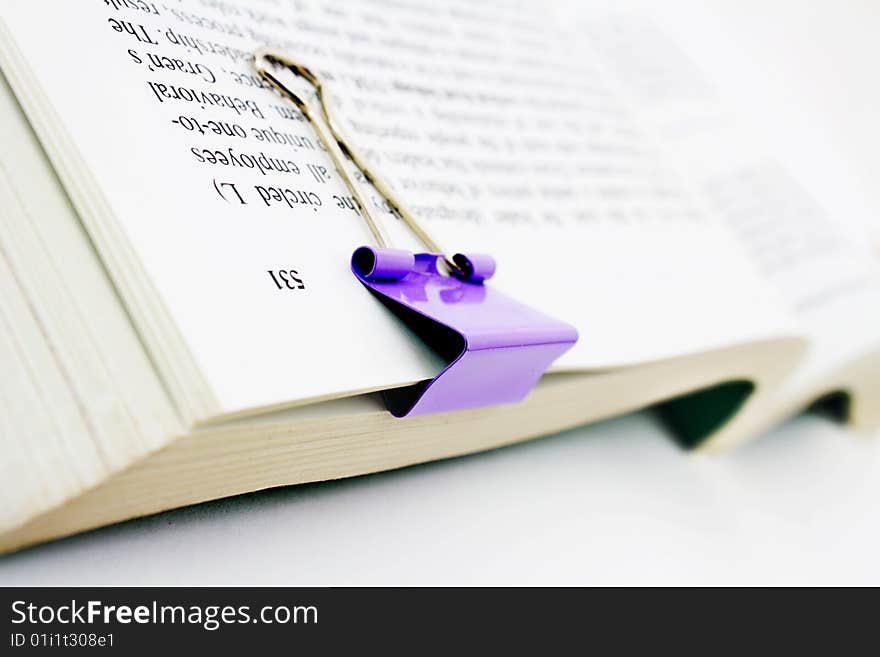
(287, 279)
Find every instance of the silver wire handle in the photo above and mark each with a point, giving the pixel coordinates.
(339, 148)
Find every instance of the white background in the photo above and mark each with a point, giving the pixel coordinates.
(617, 503)
(614, 503)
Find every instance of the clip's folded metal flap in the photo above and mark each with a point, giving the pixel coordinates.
(496, 348)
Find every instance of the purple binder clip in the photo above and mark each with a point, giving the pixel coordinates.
(495, 348)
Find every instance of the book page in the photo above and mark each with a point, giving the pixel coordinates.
(483, 119)
(758, 162)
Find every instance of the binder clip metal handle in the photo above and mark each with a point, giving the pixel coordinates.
(495, 348)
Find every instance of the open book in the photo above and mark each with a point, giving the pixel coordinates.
(179, 320)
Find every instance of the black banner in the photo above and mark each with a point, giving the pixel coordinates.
(300, 620)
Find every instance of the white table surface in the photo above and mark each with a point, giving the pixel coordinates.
(614, 503)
